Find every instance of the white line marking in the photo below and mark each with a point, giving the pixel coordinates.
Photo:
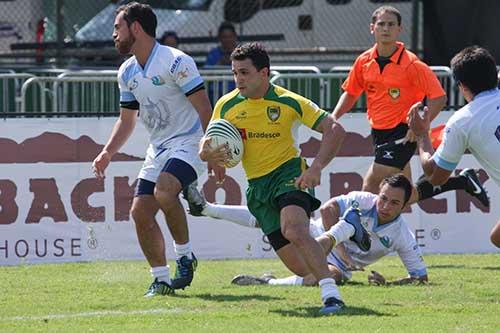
(91, 314)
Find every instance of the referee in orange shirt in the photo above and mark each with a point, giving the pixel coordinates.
(394, 79)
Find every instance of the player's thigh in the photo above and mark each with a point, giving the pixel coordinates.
(495, 234)
(175, 175)
(375, 174)
(293, 260)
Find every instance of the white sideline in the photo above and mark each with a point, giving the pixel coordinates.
(91, 314)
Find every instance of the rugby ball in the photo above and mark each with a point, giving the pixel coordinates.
(222, 132)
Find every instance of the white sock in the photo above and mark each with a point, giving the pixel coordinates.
(328, 289)
(236, 214)
(162, 273)
(293, 280)
(182, 249)
(341, 231)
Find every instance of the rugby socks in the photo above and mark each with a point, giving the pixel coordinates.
(341, 232)
(328, 289)
(162, 273)
(236, 214)
(427, 190)
(293, 280)
(182, 249)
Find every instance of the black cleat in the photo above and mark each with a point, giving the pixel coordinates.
(474, 186)
(361, 237)
(184, 272)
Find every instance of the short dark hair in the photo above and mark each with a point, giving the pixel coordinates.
(170, 33)
(226, 26)
(255, 52)
(141, 13)
(399, 181)
(475, 67)
(380, 10)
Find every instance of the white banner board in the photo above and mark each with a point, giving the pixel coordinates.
(52, 209)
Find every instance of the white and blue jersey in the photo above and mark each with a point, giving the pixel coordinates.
(159, 91)
(475, 127)
(391, 237)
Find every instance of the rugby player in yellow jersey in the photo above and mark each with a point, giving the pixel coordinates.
(280, 186)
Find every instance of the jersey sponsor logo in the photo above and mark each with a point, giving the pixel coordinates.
(394, 93)
(386, 241)
(243, 133)
(175, 64)
(263, 135)
(273, 113)
(157, 80)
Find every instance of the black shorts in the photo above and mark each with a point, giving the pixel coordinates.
(388, 147)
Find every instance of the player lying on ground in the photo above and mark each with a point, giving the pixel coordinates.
(380, 215)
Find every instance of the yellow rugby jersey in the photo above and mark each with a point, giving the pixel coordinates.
(269, 126)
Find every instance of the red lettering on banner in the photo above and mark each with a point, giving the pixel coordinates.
(123, 194)
(47, 201)
(8, 207)
(344, 182)
(434, 206)
(230, 186)
(79, 200)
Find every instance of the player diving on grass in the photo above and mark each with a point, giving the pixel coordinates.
(348, 225)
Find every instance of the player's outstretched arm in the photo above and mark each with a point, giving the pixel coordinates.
(345, 103)
(201, 103)
(333, 137)
(122, 130)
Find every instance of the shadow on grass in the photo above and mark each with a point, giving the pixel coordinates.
(490, 268)
(347, 311)
(447, 266)
(237, 298)
(352, 283)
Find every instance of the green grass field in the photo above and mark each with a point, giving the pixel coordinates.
(463, 296)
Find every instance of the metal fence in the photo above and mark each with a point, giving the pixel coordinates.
(76, 32)
(95, 92)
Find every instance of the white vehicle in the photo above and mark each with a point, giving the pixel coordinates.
(338, 24)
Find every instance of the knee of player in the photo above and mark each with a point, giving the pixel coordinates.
(165, 194)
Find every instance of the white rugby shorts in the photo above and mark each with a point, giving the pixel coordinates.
(182, 148)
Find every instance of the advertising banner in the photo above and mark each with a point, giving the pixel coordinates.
(52, 208)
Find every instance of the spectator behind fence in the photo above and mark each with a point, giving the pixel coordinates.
(220, 56)
(170, 38)
(228, 39)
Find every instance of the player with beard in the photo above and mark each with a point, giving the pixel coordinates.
(163, 84)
